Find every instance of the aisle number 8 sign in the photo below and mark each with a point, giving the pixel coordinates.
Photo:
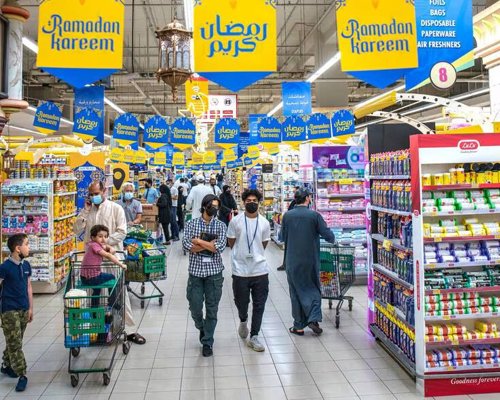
(443, 75)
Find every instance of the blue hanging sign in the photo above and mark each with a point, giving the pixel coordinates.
(92, 97)
(238, 163)
(126, 131)
(243, 143)
(227, 132)
(156, 132)
(269, 130)
(343, 123)
(87, 124)
(296, 98)
(183, 133)
(444, 33)
(294, 129)
(319, 126)
(231, 165)
(47, 117)
(248, 161)
(86, 174)
(253, 127)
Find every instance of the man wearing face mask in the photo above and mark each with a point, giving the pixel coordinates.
(214, 188)
(131, 206)
(301, 231)
(205, 239)
(150, 193)
(248, 235)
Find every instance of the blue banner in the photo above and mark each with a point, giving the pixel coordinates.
(444, 33)
(319, 126)
(296, 98)
(294, 129)
(87, 124)
(126, 131)
(269, 130)
(243, 144)
(156, 132)
(343, 123)
(92, 97)
(47, 117)
(183, 132)
(227, 132)
(238, 163)
(248, 161)
(85, 175)
(253, 127)
(231, 165)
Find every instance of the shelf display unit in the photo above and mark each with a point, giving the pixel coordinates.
(436, 307)
(234, 178)
(45, 210)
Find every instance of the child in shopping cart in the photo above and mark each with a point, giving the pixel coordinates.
(95, 252)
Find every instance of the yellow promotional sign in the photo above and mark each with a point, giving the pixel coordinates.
(253, 152)
(235, 36)
(210, 157)
(117, 154)
(129, 156)
(81, 41)
(160, 158)
(229, 155)
(141, 157)
(178, 159)
(377, 35)
(273, 149)
(197, 96)
(197, 159)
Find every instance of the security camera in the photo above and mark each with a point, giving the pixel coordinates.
(148, 102)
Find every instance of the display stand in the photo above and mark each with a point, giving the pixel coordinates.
(45, 210)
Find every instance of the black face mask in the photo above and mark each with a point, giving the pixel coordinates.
(211, 211)
(251, 207)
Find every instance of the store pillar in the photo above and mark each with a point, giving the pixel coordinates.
(17, 16)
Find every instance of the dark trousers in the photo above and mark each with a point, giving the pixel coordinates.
(173, 222)
(180, 218)
(166, 232)
(206, 290)
(97, 281)
(14, 324)
(258, 288)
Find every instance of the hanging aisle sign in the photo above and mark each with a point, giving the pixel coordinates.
(319, 127)
(296, 98)
(126, 130)
(183, 133)
(178, 159)
(156, 132)
(343, 123)
(253, 127)
(87, 124)
(445, 34)
(116, 154)
(159, 158)
(227, 132)
(80, 41)
(235, 41)
(47, 117)
(294, 130)
(92, 97)
(269, 131)
(378, 36)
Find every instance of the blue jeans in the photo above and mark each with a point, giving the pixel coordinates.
(97, 281)
(173, 222)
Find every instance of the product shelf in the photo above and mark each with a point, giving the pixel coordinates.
(461, 212)
(388, 177)
(461, 317)
(470, 342)
(64, 194)
(460, 239)
(483, 289)
(464, 369)
(347, 227)
(65, 217)
(390, 211)
(341, 195)
(394, 242)
(347, 209)
(461, 265)
(64, 241)
(392, 275)
(464, 186)
(395, 311)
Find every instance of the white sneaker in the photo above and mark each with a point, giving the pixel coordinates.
(255, 345)
(243, 330)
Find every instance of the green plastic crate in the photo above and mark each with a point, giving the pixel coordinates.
(154, 264)
(86, 320)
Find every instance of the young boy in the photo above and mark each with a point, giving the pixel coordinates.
(17, 307)
(95, 251)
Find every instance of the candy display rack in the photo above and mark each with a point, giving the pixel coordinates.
(45, 210)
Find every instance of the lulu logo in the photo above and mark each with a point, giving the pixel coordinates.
(468, 146)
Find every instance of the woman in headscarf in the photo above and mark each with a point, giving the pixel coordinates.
(164, 209)
(228, 204)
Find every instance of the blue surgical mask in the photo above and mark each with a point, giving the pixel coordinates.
(97, 199)
(128, 195)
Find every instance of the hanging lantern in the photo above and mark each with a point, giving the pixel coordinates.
(174, 56)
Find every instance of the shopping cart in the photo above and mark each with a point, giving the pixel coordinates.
(92, 318)
(337, 274)
(147, 264)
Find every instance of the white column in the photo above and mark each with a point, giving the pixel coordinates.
(15, 58)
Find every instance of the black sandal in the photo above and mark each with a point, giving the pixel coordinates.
(136, 338)
(298, 332)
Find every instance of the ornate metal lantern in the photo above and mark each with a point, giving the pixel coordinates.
(174, 56)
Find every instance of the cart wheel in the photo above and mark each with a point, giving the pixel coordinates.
(330, 304)
(106, 378)
(143, 289)
(74, 380)
(142, 303)
(160, 301)
(126, 348)
(75, 351)
(350, 305)
(337, 321)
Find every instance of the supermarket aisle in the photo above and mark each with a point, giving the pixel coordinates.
(343, 364)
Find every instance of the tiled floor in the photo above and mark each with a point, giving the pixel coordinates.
(341, 364)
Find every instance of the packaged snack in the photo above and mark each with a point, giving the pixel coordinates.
(485, 326)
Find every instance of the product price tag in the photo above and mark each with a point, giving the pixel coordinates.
(436, 291)
(446, 317)
(497, 236)
(431, 266)
(438, 239)
(345, 181)
(455, 342)
(387, 244)
(391, 309)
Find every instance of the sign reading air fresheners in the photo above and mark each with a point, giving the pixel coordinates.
(80, 41)
(235, 41)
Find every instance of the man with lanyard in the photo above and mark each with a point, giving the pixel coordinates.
(205, 239)
(214, 188)
(248, 235)
(150, 193)
(174, 227)
(131, 206)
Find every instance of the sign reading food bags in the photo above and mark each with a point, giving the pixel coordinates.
(156, 132)
(183, 133)
(377, 39)
(227, 132)
(126, 131)
(296, 98)
(48, 117)
(343, 123)
(235, 41)
(80, 41)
